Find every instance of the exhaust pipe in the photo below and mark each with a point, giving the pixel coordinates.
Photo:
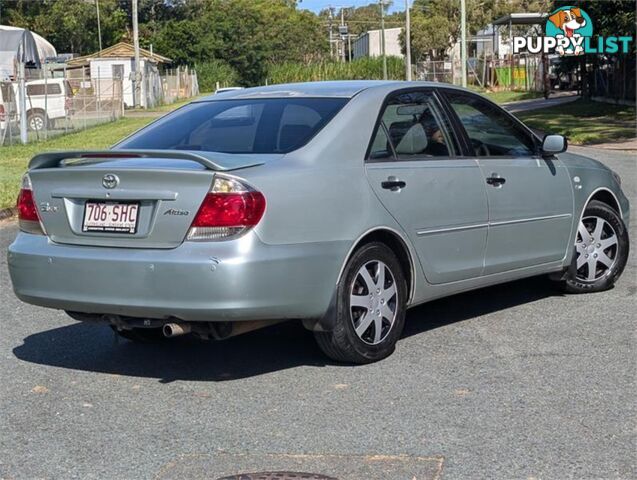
(175, 329)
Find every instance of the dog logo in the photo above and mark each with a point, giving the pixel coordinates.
(572, 24)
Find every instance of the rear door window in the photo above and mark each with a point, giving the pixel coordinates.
(412, 127)
(272, 125)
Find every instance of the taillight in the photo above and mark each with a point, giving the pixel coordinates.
(28, 218)
(228, 210)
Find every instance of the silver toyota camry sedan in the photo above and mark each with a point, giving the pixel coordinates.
(337, 204)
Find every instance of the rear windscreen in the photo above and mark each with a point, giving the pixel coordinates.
(273, 125)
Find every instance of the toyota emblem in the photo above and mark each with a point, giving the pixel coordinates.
(110, 181)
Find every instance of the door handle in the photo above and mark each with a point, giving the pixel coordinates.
(496, 180)
(393, 184)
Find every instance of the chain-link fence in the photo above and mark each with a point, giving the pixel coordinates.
(179, 83)
(42, 106)
(37, 106)
(522, 72)
(613, 78)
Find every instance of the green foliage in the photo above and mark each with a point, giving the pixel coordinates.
(610, 17)
(213, 71)
(362, 69)
(246, 34)
(362, 19)
(436, 23)
(14, 159)
(70, 25)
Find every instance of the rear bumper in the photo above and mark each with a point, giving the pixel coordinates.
(243, 279)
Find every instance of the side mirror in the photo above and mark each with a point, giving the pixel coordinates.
(553, 144)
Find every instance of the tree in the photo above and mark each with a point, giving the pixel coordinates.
(70, 25)
(610, 18)
(362, 19)
(436, 23)
(246, 34)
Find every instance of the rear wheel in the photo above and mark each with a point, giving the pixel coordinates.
(36, 121)
(370, 311)
(601, 250)
(141, 335)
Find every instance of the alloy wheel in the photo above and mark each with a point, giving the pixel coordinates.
(596, 248)
(373, 302)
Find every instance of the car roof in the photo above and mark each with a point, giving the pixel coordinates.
(335, 89)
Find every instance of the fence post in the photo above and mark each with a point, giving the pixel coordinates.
(68, 117)
(84, 96)
(99, 95)
(23, 104)
(46, 103)
(178, 84)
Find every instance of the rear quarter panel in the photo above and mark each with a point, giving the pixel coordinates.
(319, 193)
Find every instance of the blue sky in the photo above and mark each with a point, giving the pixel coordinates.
(318, 5)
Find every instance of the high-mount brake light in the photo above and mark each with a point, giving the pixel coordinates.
(28, 218)
(230, 209)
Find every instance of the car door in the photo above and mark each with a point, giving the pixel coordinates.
(530, 197)
(416, 168)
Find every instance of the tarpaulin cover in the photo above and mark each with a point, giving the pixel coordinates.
(21, 46)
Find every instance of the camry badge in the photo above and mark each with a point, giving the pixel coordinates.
(110, 181)
(178, 212)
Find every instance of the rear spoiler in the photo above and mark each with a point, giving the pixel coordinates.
(222, 162)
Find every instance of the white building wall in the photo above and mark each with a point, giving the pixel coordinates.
(102, 68)
(369, 44)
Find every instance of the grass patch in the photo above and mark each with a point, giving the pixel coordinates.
(514, 96)
(506, 96)
(169, 107)
(585, 122)
(14, 159)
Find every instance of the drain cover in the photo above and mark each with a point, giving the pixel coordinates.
(278, 476)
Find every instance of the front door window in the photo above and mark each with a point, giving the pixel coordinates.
(491, 132)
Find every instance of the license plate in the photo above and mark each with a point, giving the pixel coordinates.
(111, 217)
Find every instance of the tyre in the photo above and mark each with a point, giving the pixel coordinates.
(601, 250)
(370, 307)
(141, 335)
(36, 121)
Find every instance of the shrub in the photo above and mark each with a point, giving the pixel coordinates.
(362, 69)
(213, 71)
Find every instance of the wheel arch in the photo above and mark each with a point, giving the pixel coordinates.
(606, 196)
(36, 110)
(397, 243)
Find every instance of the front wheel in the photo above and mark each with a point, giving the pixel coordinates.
(601, 250)
(370, 310)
